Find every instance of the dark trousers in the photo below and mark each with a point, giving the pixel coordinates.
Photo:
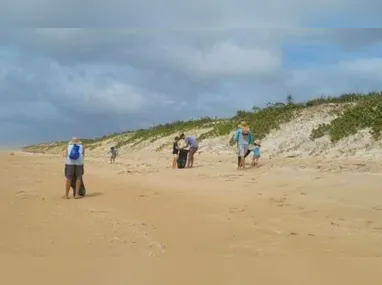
(238, 158)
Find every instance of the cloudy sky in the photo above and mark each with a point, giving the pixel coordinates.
(174, 60)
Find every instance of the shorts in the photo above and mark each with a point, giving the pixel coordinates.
(242, 150)
(256, 156)
(74, 170)
(193, 149)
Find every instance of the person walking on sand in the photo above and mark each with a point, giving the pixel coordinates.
(193, 146)
(175, 152)
(256, 153)
(74, 166)
(113, 154)
(243, 138)
(246, 154)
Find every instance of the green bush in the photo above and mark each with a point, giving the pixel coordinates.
(320, 131)
(366, 113)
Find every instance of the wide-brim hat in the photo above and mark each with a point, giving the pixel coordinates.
(75, 140)
(243, 124)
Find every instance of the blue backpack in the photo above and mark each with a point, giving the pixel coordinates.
(74, 152)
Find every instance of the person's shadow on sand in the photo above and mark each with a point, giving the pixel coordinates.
(93, 194)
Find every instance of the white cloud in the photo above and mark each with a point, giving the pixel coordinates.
(361, 75)
(118, 79)
(226, 59)
(95, 94)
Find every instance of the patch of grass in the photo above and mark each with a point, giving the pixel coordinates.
(362, 111)
(265, 120)
(344, 98)
(320, 131)
(261, 120)
(164, 130)
(366, 113)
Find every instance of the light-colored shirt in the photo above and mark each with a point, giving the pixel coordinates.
(243, 139)
(191, 141)
(256, 151)
(79, 161)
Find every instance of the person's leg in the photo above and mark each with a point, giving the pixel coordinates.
(194, 150)
(174, 161)
(238, 157)
(241, 153)
(247, 153)
(67, 188)
(190, 158)
(245, 150)
(79, 170)
(242, 162)
(69, 172)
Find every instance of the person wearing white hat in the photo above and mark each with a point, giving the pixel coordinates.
(74, 166)
(243, 138)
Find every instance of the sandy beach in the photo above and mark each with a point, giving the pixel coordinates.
(289, 221)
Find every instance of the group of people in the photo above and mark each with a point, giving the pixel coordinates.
(184, 149)
(244, 138)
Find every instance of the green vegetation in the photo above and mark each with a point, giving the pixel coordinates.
(359, 111)
(366, 113)
(164, 130)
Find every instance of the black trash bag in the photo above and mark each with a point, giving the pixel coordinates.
(182, 158)
(82, 191)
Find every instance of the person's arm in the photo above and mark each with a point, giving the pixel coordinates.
(83, 151)
(236, 136)
(250, 138)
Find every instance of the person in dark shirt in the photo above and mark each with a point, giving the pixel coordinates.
(113, 154)
(175, 151)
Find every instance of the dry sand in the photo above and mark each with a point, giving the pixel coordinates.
(288, 222)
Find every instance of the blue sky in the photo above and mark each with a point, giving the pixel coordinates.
(184, 61)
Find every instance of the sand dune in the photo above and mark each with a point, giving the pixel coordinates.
(288, 222)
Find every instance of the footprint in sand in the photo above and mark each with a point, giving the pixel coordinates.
(203, 176)
(280, 202)
(230, 177)
(25, 195)
(237, 210)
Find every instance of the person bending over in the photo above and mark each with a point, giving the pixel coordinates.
(193, 145)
